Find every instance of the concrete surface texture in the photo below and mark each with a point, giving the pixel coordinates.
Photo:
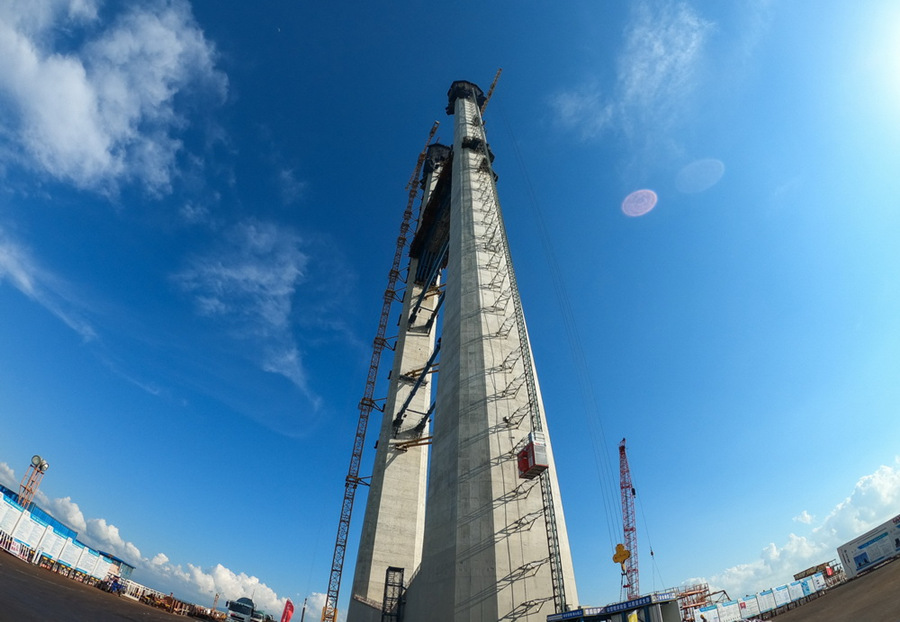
(395, 506)
(485, 551)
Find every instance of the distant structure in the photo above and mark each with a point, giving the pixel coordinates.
(486, 538)
(32, 480)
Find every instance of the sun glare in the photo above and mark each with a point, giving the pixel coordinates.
(882, 63)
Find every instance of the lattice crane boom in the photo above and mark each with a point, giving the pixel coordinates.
(629, 526)
(490, 92)
(367, 403)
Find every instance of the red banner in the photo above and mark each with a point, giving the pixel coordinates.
(288, 611)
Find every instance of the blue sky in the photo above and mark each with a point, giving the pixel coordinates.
(198, 209)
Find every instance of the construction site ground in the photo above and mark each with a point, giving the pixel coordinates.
(29, 593)
(32, 594)
(873, 597)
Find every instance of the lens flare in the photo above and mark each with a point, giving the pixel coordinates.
(699, 175)
(639, 203)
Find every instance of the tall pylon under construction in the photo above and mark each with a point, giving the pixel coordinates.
(486, 538)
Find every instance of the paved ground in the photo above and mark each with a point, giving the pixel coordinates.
(873, 597)
(29, 593)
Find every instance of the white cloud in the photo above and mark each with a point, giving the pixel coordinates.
(104, 112)
(315, 602)
(874, 499)
(8, 477)
(105, 537)
(159, 559)
(38, 16)
(199, 585)
(774, 567)
(250, 282)
(655, 71)
(95, 532)
(66, 511)
(22, 271)
(804, 517)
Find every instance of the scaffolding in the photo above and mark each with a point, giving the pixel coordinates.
(392, 607)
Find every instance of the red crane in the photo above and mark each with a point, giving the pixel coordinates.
(629, 557)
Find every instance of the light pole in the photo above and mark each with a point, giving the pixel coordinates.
(32, 480)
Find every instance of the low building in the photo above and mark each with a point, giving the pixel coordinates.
(661, 607)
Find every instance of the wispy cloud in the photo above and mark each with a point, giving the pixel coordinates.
(656, 69)
(292, 189)
(756, 20)
(21, 270)
(194, 214)
(249, 282)
(663, 47)
(874, 499)
(104, 111)
(118, 369)
(583, 110)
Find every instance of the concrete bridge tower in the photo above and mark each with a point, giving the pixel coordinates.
(486, 539)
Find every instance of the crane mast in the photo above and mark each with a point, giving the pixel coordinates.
(630, 563)
(367, 403)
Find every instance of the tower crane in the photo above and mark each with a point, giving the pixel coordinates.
(490, 92)
(367, 403)
(627, 554)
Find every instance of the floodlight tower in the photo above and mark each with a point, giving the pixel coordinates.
(32, 480)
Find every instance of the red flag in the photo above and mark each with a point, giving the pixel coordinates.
(288, 611)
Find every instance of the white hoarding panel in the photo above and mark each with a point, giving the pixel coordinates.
(98, 559)
(70, 553)
(709, 613)
(766, 600)
(749, 606)
(40, 543)
(53, 545)
(87, 561)
(808, 586)
(795, 589)
(4, 508)
(729, 611)
(782, 595)
(29, 531)
(13, 512)
(101, 569)
(22, 530)
(871, 548)
(819, 581)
